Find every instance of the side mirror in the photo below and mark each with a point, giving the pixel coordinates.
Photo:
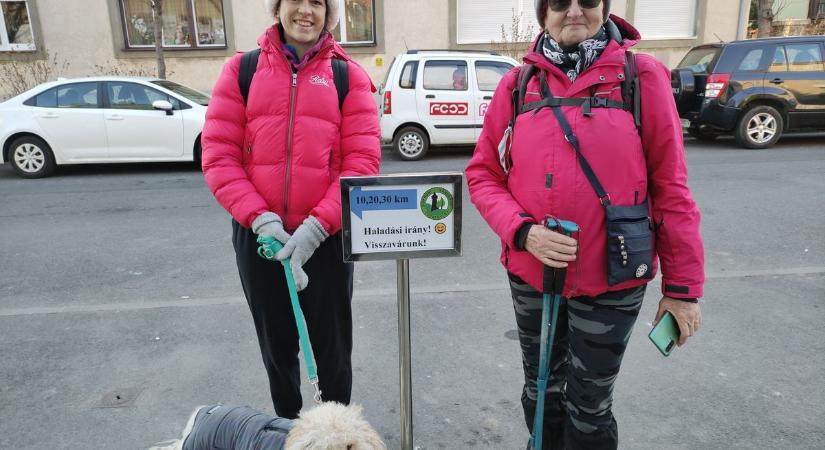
(163, 105)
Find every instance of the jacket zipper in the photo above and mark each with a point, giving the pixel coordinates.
(292, 95)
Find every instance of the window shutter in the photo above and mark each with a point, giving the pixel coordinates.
(657, 19)
(480, 21)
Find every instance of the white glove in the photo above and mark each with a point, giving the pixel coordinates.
(269, 224)
(300, 247)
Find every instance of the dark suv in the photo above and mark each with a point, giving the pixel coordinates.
(756, 89)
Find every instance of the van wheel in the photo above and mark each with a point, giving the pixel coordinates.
(31, 157)
(760, 127)
(411, 143)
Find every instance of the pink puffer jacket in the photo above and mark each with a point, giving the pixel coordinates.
(286, 151)
(629, 166)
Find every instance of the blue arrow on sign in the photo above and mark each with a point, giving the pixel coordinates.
(382, 200)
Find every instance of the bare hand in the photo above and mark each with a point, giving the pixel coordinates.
(687, 314)
(551, 248)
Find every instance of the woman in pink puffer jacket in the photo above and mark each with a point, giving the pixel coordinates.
(275, 165)
(581, 54)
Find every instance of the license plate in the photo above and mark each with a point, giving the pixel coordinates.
(685, 123)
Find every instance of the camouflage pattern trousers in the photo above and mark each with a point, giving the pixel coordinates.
(591, 337)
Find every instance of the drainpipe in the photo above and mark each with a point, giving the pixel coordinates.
(744, 13)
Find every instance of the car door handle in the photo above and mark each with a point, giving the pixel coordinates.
(488, 97)
(114, 117)
(777, 81)
(48, 115)
(429, 96)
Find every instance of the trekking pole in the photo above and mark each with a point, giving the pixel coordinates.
(553, 286)
(267, 250)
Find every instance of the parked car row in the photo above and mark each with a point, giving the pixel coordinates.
(755, 90)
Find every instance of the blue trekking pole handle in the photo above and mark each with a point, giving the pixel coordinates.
(269, 246)
(553, 284)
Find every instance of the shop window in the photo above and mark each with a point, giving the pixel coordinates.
(15, 26)
(185, 24)
(357, 23)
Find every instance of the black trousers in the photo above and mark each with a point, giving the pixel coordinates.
(591, 336)
(326, 303)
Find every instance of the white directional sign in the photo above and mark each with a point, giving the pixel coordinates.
(401, 216)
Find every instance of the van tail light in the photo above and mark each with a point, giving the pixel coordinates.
(387, 102)
(716, 84)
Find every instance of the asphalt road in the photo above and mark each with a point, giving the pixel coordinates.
(121, 310)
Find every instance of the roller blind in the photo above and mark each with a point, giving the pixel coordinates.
(480, 21)
(657, 19)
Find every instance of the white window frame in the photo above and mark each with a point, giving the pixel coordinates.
(647, 36)
(194, 21)
(5, 45)
(342, 26)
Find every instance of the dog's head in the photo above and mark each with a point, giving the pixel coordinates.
(333, 426)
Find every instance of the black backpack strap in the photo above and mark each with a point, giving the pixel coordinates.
(525, 72)
(249, 63)
(631, 88)
(586, 104)
(340, 75)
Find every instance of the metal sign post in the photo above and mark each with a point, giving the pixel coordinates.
(401, 217)
(405, 355)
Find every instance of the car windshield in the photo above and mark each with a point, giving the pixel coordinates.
(191, 94)
(698, 60)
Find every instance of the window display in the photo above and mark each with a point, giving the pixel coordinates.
(186, 24)
(15, 27)
(357, 22)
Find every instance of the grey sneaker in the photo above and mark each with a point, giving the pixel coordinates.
(177, 444)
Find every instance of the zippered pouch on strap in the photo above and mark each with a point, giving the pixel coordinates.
(629, 243)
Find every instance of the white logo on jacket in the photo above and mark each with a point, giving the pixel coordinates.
(319, 80)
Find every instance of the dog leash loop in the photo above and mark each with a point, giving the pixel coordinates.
(269, 246)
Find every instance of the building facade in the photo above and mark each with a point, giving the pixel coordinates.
(72, 39)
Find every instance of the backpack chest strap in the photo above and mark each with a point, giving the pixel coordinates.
(586, 103)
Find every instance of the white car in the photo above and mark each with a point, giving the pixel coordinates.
(101, 120)
(438, 97)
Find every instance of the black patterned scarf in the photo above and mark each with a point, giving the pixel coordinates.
(574, 59)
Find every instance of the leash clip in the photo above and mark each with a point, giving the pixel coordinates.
(317, 396)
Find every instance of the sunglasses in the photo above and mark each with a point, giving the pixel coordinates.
(564, 5)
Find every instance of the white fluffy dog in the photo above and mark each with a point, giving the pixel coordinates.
(333, 426)
(329, 426)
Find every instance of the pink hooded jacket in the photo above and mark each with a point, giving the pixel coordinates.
(286, 151)
(630, 165)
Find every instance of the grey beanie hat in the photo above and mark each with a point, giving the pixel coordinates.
(330, 21)
(541, 10)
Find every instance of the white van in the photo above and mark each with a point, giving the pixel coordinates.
(438, 97)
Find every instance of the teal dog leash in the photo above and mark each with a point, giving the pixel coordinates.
(269, 246)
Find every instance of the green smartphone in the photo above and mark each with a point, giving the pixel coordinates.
(665, 334)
